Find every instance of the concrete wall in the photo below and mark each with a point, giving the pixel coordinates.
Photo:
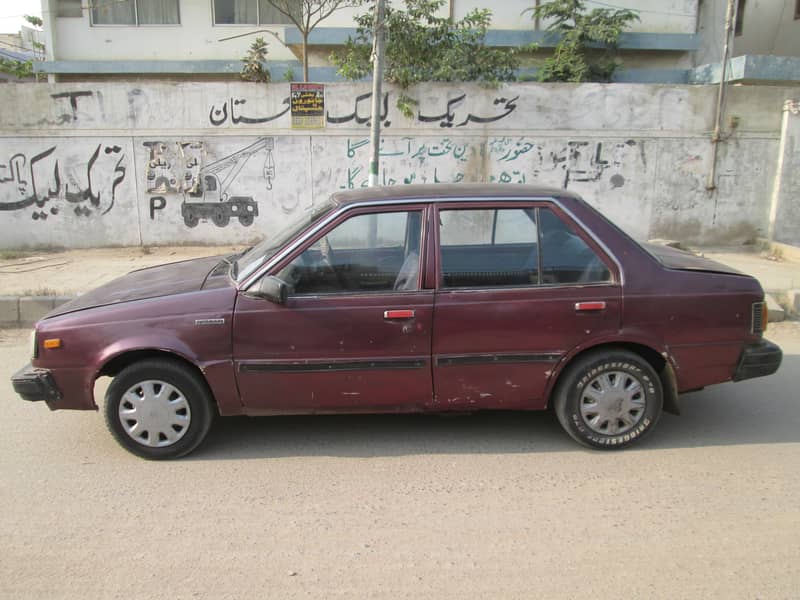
(114, 164)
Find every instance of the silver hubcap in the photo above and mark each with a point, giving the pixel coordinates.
(613, 403)
(154, 413)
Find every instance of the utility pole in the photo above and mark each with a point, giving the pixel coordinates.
(730, 15)
(377, 80)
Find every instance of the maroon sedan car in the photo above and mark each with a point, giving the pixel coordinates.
(414, 298)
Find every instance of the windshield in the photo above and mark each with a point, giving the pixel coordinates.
(269, 246)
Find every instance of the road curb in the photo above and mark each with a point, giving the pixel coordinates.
(24, 311)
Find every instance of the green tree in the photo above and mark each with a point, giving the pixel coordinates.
(587, 46)
(23, 69)
(34, 20)
(307, 14)
(253, 68)
(421, 46)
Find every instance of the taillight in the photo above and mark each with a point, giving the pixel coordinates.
(758, 322)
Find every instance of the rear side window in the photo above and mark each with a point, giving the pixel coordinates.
(566, 258)
(513, 247)
(489, 248)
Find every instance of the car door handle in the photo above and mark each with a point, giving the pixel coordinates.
(399, 314)
(590, 306)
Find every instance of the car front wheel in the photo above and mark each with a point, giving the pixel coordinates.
(158, 409)
(608, 399)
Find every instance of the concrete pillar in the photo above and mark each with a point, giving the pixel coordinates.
(49, 15)
(784, 214)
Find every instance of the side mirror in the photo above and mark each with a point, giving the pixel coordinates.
(272, 288)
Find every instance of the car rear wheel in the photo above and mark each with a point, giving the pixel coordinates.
(158, 409)
(608, 399)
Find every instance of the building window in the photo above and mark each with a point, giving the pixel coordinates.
(69, 8)
(739, 26)
(247, 12)
(136, 12)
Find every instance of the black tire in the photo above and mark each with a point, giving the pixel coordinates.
(188, 392)
(246, 220)
(191, 219)
(220, 217)
(623, 415)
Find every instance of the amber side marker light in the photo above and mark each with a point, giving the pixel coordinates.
(52, 344)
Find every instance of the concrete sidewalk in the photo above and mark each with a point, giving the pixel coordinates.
(32, 284)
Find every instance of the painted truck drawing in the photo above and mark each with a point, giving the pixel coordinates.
(208, 198)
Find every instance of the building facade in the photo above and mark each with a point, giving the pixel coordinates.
(206, 39)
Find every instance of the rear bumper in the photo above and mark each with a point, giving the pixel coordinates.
(35, 385)
(758, 360)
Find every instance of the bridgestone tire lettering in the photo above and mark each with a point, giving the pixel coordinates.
(587, 368)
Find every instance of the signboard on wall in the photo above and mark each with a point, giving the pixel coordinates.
(308, 105)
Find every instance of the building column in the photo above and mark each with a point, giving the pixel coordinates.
(784, 214)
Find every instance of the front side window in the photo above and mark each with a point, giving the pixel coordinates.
(248, 12)
(136, 12)
(513, 247)
(366, 253)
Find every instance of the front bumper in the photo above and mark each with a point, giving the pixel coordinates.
(35, 385)
(758, 360)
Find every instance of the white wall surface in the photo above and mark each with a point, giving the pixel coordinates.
(75, 159)
(656, 16)
(770, 28)
(197, 38)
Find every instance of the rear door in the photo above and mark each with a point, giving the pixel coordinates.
(519, 286)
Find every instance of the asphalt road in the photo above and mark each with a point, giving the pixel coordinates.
(484, 506)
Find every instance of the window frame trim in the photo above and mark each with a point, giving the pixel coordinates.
(432, 241)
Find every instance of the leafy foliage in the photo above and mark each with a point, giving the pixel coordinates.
(20, 69)
(253, 68)
(579, 31)
(421, 46)
(34, 20)
(307, 14)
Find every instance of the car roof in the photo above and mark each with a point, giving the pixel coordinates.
(448, 191)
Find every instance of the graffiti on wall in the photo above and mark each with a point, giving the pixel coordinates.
(231, 108)
(576, 161)
(54, 180)
(208, 191)
(172, 168)
(500, 159)
(451, 114)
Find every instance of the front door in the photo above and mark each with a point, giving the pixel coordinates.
(519, 287)
(355, 332)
